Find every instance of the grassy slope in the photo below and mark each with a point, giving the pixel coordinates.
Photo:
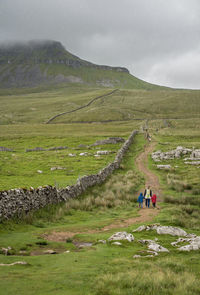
(41, 105)
(105, 269)
(102, 269)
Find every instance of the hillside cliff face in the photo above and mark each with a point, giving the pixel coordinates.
(47, 62)
(38, 63)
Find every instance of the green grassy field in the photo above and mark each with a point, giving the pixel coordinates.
(100, 269)
(39, 106)
(173, 119)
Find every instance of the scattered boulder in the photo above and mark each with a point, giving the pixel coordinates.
(57, 168)
(137, 256)
(117, 243)
(170, 230)
(83, 154)
(72, 155)
(194, 243)
(39, 171)
(170, 155)
(162, 230)
(121, 236)
(193, 163)
(102, 241)
(99, 153)
(152, 245)
(164, 167)
(5, 251)
(50, 251)
(140, 228)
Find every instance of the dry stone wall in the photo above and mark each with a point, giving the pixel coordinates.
(16, 202)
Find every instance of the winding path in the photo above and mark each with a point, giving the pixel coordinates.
(151, 179)
(146, 215)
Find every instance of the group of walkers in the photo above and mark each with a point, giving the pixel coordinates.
(148, 197)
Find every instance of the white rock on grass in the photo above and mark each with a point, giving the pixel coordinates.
(72, 155)
(194, 243)
(170, 230)
(103, 152)
(117, 243)
(140, 228)
(163, 230)
(102, 241)
(152, 245)
(121, 236)
(164, 167)
(195, 163)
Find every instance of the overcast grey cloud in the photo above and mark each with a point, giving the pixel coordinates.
(157, 40)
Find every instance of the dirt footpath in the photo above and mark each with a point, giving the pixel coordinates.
(145, 214)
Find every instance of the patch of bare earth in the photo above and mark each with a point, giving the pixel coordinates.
(145, 214)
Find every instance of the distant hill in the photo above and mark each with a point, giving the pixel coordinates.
(36, 63)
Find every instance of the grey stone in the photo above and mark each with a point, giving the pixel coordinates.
(165, 167)
(170, 230)
(102, 241)
(121, 236)
(140, 228)
(50, 251)
(117, 243)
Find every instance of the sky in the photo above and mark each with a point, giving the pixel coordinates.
(157, 40)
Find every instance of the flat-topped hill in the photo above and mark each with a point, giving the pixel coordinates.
(34, 63)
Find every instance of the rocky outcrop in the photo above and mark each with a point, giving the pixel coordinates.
(173, 154)
(153, 246)
(162, 230)
(193, 240)
(16, 202)
(119, 236)
(26, 64)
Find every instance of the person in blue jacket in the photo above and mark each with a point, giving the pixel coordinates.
(140, 200)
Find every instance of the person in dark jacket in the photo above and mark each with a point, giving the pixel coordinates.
(147, 196)
(140, 200)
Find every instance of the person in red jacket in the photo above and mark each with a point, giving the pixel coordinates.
(153, 200)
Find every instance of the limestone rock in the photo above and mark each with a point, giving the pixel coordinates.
(57, 168)
(170, 230)
(152, 245)
(6, 250)
(164, 167)
(121, 236)
(50, 251)
(194, 243)
(117, 243)
(103, 153)
(102, 241)
(140, 228)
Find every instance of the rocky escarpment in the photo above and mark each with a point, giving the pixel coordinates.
(16, 202)
(44, 62)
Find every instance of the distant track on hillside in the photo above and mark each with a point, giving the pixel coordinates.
(82, 107)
